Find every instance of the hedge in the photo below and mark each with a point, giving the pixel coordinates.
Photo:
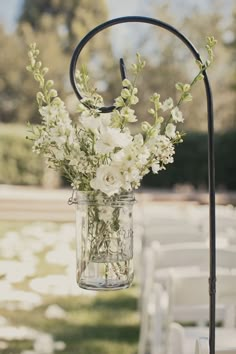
(190, 165)
(19, 166)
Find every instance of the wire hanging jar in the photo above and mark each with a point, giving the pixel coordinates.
(104, 240)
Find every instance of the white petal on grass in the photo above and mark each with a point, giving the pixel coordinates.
(44, 344)
(15, 271)
(61, 254)
(60, 345)
(60, 285)
(17, 299)
(55, 312)
(18, 333)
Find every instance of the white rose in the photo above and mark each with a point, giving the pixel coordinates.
(177, 115)
(170, 130)
(108, 179)
(167, 104)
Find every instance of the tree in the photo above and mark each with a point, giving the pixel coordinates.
(70, 19)
(57, 26)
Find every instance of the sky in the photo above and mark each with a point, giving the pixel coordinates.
(9, 9)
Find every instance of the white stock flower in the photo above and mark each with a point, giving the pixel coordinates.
(170, 130)
(128, 114)
(177, 115)
(58, 153)
(89, 122)
(111, 138)
(144, 155)
(108, 179)
(105, 119)
(167, 104)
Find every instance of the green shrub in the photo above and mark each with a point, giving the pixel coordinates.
(190, 165)
(18, 165)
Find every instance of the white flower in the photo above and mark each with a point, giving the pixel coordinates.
(108, 179)
(111, 138)
(59, 140)
(144, 155)
(167, 104)
(131, 175)
(156, 167)
(58, 153)
(170, 130)
(128, 114)
(138, 139)
(177, 115)
(89, 122)
(105, 119)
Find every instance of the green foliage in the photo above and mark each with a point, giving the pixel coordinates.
(18, 165)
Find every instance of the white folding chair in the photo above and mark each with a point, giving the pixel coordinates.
(189, 299)
(189, 258)
(169, 234)
(183, 340)
(144, 302)
(202, 347)
(189, 303)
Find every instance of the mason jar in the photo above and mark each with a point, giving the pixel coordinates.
(104, 240)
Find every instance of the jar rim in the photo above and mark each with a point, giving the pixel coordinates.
(96, 198)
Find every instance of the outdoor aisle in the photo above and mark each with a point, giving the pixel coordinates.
(37, 270)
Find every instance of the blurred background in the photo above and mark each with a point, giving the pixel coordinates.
(42, 311)
(57, 27)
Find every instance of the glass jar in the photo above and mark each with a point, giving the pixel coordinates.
(104, 246)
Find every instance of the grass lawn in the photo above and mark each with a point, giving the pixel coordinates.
(106, 323)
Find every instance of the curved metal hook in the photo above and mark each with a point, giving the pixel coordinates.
(211, 161)
(113, 22)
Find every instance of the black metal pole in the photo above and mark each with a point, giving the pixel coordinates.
(211, 160)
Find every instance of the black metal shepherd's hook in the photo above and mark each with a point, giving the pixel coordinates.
(211, 159)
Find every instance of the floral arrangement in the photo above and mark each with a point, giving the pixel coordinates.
(99, 153)
(104, 162)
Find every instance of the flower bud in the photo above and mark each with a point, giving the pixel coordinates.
(186, 87)
(145, 126)
(151, 111)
